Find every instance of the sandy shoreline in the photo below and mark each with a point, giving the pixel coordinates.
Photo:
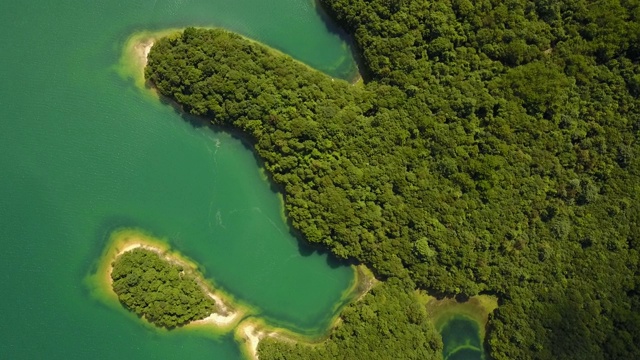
(228, 315)
(142, 50)
(135, 54)
(223, 317)
(250, 333)
(253, 339)
(146, 50)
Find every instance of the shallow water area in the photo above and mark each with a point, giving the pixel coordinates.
(461, 324)
(85, 152)
(461, 339)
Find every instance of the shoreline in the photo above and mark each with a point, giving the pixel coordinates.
(248, 336)
(249, 331)
(125, 240)
(252, 330)
(224, 318)
(135, 55)
(137, 47)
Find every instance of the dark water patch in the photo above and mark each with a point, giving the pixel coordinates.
(312, 249)
(462, 322)
(461, 338)
(347, 69)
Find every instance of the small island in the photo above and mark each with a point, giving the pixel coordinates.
(159, 290)
(140, 272)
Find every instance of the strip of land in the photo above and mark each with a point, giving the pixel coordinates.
(252, 337)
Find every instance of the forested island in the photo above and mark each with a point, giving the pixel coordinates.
(493, 149)
(158, 290)
(140, 273)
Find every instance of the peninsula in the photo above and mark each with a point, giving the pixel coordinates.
(490, 150)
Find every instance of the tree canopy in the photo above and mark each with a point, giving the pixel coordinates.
(493, 149)
(161, 292)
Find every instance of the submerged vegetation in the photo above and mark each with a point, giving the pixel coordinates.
(162, 292)
(462, 325)
(493, 149)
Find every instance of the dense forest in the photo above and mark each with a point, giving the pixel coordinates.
(493, 149)
(161, 292)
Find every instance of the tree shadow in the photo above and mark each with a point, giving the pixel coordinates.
(305, 248)
(333, 27)
(570, 336)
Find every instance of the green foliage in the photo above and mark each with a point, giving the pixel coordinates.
(387, 323)
(503, 135)
(161, 292)
(423, 250)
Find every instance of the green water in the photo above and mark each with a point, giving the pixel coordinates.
(461, 339)
(84, 152)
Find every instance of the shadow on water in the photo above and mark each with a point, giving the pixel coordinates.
(465, 354)
(334, 28)
(305, 248)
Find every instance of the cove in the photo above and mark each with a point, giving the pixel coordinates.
(85, 152)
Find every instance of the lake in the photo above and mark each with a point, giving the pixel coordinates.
(85, 152)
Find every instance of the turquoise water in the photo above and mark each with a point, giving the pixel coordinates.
(84, 152)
